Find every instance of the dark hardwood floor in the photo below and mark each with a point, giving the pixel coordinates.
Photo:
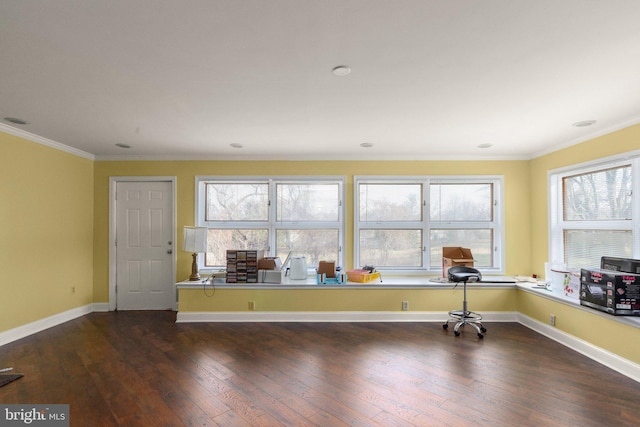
(142, 369)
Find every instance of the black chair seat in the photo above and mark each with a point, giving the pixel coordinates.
(461, 273)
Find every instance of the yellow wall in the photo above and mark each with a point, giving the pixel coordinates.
(622, 141)
(344, 299)
(516, 177)
(46, 231)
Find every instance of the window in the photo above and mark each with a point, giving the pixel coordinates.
(592, 212)
(301, 216)
(403, 223)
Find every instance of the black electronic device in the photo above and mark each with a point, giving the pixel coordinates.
(625, 265)
(614, 292)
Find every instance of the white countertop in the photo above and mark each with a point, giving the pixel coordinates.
(388, 281)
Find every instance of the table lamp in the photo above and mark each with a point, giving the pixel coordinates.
(195, 241)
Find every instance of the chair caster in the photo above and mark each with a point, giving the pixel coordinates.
(445, 326)
(480, 336)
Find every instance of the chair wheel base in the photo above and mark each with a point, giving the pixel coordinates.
(462, 318)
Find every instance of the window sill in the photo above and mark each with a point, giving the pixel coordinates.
(388, 282)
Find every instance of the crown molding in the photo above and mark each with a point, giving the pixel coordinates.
(45, 141)
(587, 137)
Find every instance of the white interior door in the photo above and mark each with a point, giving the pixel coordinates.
(144, 246)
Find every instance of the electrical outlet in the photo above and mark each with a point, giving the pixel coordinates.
(552, 319)
(252, 305)
(405, 305)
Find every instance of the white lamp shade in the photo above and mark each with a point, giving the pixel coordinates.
(195, 239)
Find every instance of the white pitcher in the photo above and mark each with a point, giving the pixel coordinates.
(298, 268)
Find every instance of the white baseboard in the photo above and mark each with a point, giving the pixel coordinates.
(100, 307)
(600, 355)
(332, 316)
(42, 324)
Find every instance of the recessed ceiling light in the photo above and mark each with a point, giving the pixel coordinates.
(341, 70)
(121, 145)
(584, 123)
(236, 145)
(485, 145)
(366, 145)
(15, 121)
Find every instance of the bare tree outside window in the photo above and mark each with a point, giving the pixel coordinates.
(461, 202)
(237, 202)
(275, 215)
(396, 228)
(597, 212)
(598, 196)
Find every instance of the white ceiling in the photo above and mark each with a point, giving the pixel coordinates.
(431, 79)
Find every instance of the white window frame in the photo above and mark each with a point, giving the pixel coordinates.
(557, 224)
(426, 224)
(271, 224)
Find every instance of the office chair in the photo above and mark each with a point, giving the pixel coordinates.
(463, 317)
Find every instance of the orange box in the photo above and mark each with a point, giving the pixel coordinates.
(455, 255)
(328, 268)
(269, 263)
